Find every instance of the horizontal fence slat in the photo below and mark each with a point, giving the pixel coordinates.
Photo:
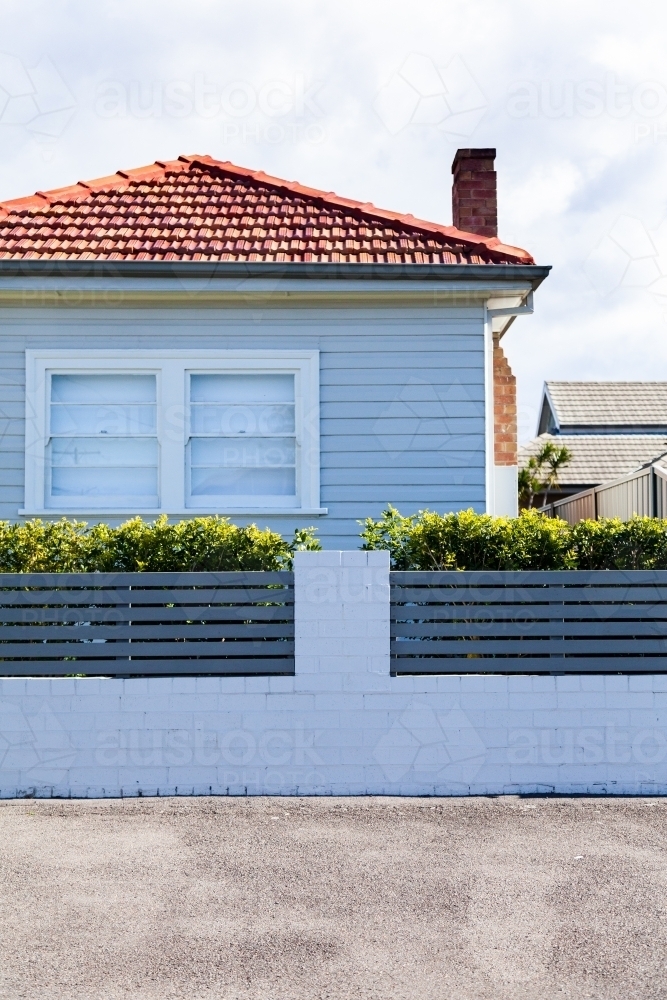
(541, 578)
(514, 629)
(517, 595)
(113, 633)
(525, 612)
(583, 665)
(180, 649)
(158, 667)
(482, 646)
(140, 613)
(148, 596)
(222, 579)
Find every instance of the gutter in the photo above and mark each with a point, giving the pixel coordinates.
(242, 270)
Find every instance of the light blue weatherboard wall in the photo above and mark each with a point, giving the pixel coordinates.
(401, 390)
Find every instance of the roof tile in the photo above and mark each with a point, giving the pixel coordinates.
(609, 404)
(599, 458)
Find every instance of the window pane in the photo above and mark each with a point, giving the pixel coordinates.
(242, 452)
(91, 418)
(103, 404)
(242, 388)
(90, 482)
(247, 482)
(269, 418)
(116, 453)
(103, 388)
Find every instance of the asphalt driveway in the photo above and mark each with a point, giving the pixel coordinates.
(333, 898)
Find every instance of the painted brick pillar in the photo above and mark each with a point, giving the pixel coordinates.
(504, 409)
(341, 612)
(474, 194)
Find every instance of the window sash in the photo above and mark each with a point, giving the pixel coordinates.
(255, 460)
(93, 437)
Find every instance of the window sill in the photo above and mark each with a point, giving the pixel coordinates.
(188, 512)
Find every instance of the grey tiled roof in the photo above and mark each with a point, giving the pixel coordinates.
(599, 458)
(609, 403)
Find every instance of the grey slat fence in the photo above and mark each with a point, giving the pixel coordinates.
(138, 624)
(529, 622)
(643, 493)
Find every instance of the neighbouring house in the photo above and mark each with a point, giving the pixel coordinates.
(610, 428)
(195, 338)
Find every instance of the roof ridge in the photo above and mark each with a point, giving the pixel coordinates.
(84, 188)
(607, 382)
(597, 436)
(160, 168)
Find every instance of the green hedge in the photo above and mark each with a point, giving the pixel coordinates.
(203, 543)
(467, 540)
(464, 540)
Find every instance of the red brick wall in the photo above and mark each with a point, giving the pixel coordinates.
(474, 195)
(504, 409)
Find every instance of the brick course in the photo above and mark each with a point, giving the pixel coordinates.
(504, 409)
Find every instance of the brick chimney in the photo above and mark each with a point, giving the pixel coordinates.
(504, 409)
(474, 195)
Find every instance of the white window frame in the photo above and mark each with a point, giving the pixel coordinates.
(172, 368)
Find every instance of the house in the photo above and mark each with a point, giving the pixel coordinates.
(193, 338)
(610, 428)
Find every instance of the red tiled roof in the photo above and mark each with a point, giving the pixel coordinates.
(198, 208)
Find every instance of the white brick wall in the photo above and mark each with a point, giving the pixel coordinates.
(340, 726)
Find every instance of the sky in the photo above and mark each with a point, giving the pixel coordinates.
(371, 100)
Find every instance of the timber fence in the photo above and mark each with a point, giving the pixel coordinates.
(529, 622)
(138, 624)
(642, 493)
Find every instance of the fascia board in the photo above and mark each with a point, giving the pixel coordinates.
(118, 292)
(546, 395)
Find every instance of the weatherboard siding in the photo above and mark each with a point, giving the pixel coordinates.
(401, 396)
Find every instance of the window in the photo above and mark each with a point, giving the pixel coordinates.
(145, 431)
(242, 438)
(102, 440)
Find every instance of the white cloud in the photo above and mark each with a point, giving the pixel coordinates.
(421, 94)
(546, 190)
(37, 98)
